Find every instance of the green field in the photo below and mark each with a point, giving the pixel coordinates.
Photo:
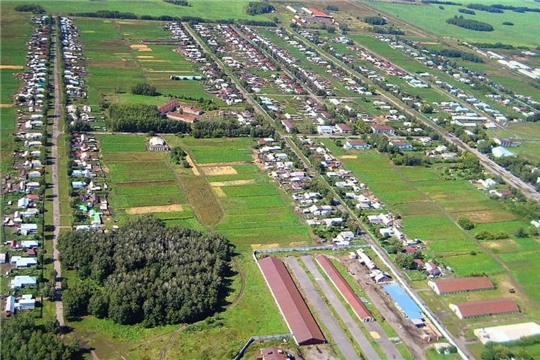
(208, 9)
(432, 19)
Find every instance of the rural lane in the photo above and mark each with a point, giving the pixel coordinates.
(56, 199)
(318, 304)
(342, 312)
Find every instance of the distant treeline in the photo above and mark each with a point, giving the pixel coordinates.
(256, 8)
(440, 2)
(106, 14)
(229, 128)
(332, 8)
(469, 24)
(375, 20)
(466, 11)
(142, 118)
(494, 46)
(386, 30)
(498, 8)
(178, 2)
(36, 9)
(459, 54)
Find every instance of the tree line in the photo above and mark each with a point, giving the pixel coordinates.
(486, 8)
(386, 30)
(33, 8)
(178, 2)
(459, 54)
(142, 118)
(375, 20)
(469, 24)
(255, 8)
(230, 128)
(23, 339)
(467, 11)
(144, 89)
(146, 273)
(108, 14)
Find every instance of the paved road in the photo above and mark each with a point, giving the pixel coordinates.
(318, 304)
(56, 200)
(350, 323)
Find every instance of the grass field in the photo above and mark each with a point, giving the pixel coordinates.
(432, 19)
(208, 9)
(527, 135)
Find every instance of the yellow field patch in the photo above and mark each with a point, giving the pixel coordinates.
(154, 209)
(150, 60)
(265, 246)
(12, 67)
(298, 244)
(232, 183)
(219, 192)
(141, 47)
(88, 31)
(482, 217)
(348, 157)
(193, 167)
(145, 57)
(218, 170)
(5, 105)
(375, 335)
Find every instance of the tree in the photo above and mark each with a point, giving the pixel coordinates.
(405, 261)
(465, 223)
(532, 231)
(520, 232)
(144, 89)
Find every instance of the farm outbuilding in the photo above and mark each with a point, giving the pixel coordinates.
(449, 286)
(507, 333)
(481, 308)
(404, 303)
(344, 289)
(292, 306)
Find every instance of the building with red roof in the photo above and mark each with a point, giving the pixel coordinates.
(292, 306)
(345, 289)
(181, 117)
(450, 286)
(481, 308)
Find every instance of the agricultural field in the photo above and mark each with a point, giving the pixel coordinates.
(208, 9)
(255, 212)
(141, 181)
(433, 19)
(430, 206)
(113, 73)
(526, 135)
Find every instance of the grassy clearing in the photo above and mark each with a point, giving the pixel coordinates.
(433, 19)
(209, 151)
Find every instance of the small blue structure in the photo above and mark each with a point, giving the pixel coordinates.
(404, 303)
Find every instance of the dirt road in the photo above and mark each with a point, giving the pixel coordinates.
(317, 303)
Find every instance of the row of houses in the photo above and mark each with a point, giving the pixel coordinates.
(73, 71)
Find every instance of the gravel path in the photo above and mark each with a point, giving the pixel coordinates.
(317, 303)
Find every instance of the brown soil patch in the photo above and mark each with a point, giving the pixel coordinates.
(154, 209)
(232, 183)
(348, 157)
(5, 105)
(105, 168)
(265, 246)
(140, 47)
(13, 67)
(218, 170)
(219, 192)
(193, 167)
(227, 163)
(257, 161)
(482, 217)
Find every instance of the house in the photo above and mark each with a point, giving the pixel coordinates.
(342, 128)
(451, 286)
(356, 144)
(27, 229)
(471, 309)
(383, 129)
(289, 127)
(168, 106)
(157, 144)
(432, 269)
(181, 117)
(29, 244)
(402, 145)
(10, 305)
(275, 353)
(78, 184)
(22, 281)
(25, 303)
(325, 130)
(487, 183)
(23, 262)
(191, 110)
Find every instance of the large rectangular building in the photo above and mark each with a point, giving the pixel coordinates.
(449, 286)
(481, 308)
(294, 309)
